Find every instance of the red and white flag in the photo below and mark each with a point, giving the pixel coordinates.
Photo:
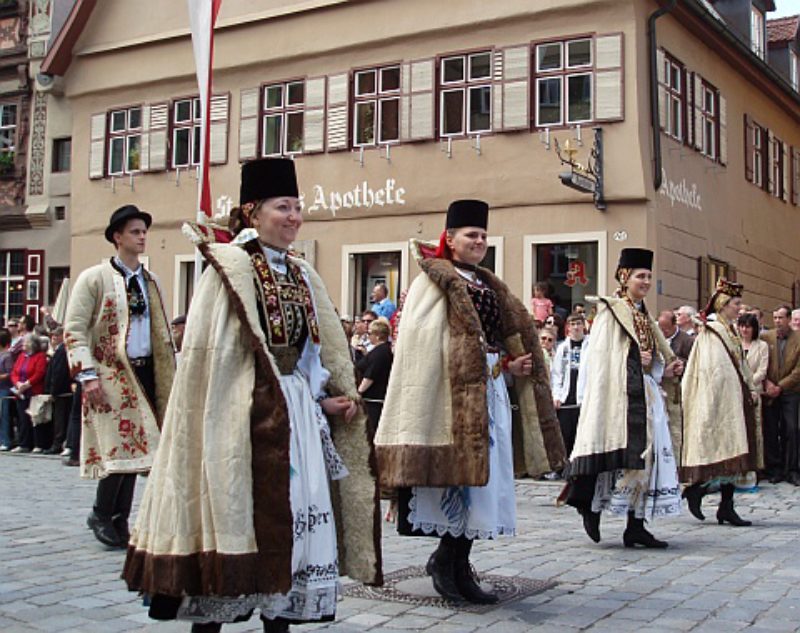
(202, 17)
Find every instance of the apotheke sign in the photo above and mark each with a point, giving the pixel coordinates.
(680, 192)
(361, 197)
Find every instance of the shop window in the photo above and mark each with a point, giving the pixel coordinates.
(571, 271)
(124, 141)
(12, 284)
(465, 94)
(62, 155)
(55, 277)
(711, 270)
(282, 118)
(376, 113)
(564, 78)
(373, 268)
(186, 130)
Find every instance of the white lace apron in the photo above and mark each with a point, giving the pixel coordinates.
(476, 511)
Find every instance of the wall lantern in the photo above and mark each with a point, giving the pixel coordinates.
(586, 179)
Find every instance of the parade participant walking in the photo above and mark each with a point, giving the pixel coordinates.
(445, 433)
(238, 513)
(719, 424)
(623, 461)
(119, 348)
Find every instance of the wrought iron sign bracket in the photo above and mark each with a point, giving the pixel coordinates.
(586, 179)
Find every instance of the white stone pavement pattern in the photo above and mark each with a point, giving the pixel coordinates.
(55, 577)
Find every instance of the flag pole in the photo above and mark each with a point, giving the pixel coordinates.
(202, 17)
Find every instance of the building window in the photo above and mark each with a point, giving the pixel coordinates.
(571, 271)
(56, 277)
(282, 119)
(564, 82)
(794, 70)
(777, 168)
(757, 32)
(186, 130)
(124, 141)
(8, 128)
(465, 94)
(710, 271)
(61, 213)
(377, 106)
(62, 154)
(758, 148)
(12, 284)
(676, 92)
(709, 121)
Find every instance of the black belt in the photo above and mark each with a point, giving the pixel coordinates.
(142, 361)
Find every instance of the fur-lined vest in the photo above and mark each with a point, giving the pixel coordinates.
(612, 430)
(216, 517)
(122, 435)
(719, 426)
(434, 430)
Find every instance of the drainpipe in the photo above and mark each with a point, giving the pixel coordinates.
(654, 115)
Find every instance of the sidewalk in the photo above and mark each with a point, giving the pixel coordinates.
(55, 577)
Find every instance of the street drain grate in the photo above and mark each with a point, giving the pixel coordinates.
(412, 585)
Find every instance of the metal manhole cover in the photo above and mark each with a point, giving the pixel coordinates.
(412, 585)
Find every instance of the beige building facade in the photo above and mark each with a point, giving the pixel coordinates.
(392, 109)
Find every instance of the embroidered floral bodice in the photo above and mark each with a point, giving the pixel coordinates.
(487, 306)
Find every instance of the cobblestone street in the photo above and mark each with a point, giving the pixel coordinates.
(55, 577)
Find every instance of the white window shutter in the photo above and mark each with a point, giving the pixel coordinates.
(787, 171)
(497, 91)
(338, 131)
(144, 149)
(248, 123)
(608, 85)
(515, 100)
(423, 110)
(723, 130)
(97, 145)
(219, 116)
(698, 112)
(159, 129)
(686, 85)
(405, 102)
(314, 116)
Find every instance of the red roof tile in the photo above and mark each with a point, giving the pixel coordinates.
(783, 29)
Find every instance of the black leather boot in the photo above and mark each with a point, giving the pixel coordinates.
(279, 625)
(591, 524)
(635, 534)
(103, 529)
(694, 497)
(466, 582)
(209, 627)
(120, 524)
(726, 511)
(441, 568)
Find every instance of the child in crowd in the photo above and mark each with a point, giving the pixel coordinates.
(541, 305)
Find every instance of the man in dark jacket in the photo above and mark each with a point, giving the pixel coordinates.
(58, 383)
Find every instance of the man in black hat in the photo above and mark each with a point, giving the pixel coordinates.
(120, 350)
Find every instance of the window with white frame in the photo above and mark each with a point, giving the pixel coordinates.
(676, 94)
(465, 94)
(186, 130)
(282, 118)
(794, 70)
(564, 73)
(124, 140)
(757, 32)
(376, 113)
(777, 168)
(709, 121)
(758, 149)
